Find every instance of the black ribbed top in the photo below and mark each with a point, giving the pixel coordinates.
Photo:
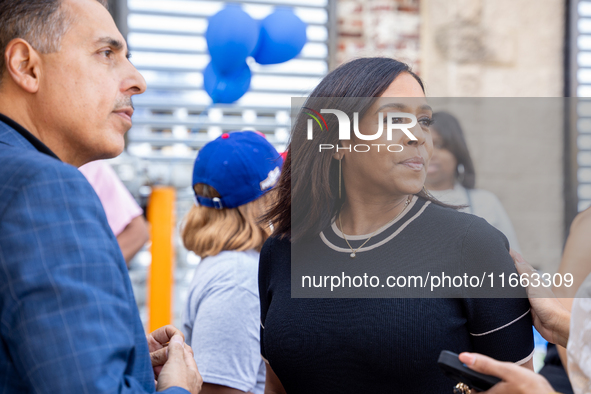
(389, 345)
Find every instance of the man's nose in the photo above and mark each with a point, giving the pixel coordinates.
(134, 82)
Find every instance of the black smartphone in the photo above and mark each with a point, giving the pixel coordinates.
(458, 371)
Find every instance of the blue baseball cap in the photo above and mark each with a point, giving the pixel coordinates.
(240, 165)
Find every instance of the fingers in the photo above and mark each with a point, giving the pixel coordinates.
(164, 334)
(499, 388)
(489, 366)
(176, 350)
(180, 369)
(525, 269)
(538, 293)
(190, 349)
(516, 379)
(522, 266)
(513, 253)
(158, 357)
(157, 371)
(196, 378)
(189, 360)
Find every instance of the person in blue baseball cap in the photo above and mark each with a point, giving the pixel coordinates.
(232, 178)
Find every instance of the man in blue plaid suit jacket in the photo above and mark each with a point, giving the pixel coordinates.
(68, 318)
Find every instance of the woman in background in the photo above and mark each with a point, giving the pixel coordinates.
(451, 177)
(231, 178)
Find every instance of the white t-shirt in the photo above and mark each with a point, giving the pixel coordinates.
(221, 321)
(481, 203)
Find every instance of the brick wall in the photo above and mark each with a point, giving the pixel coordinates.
(483, 48)
(507, 48)
(379, 28)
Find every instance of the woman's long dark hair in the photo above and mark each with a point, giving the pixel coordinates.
(453, 139)
(313, 183)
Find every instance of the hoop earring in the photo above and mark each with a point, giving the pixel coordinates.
(340, 179)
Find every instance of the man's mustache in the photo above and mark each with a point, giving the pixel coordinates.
(125, 102)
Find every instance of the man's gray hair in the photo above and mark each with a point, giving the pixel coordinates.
(41, 23)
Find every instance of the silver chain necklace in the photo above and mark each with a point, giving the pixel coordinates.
(354, 251)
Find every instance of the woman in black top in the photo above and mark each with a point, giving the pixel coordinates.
(351, 210)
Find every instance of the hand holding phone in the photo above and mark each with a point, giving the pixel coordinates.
(458, 371)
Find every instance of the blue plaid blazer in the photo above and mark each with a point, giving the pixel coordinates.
(68, 318)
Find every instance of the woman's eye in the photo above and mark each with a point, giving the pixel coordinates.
(395, 120)
(427, 122)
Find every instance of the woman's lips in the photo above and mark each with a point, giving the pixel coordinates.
(414, 163)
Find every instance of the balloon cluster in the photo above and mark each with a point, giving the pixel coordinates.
(232, 36)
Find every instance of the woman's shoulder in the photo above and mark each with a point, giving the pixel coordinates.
(228, 258)
(450, 220)
(276, 244)
(449, 214)
(226, 268)
(275, 257)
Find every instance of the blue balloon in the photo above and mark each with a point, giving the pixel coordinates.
(282, 37)
(231, 37)
(228, 88)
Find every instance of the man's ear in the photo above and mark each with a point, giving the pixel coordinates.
(23, 64)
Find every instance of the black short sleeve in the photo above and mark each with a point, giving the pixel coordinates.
(499, 327)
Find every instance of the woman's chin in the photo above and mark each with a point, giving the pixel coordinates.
(410, 188)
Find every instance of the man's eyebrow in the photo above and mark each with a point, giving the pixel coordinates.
(113, 43)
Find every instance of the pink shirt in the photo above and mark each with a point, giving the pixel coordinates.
(118, 203)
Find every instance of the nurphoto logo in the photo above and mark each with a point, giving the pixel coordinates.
(394, 121)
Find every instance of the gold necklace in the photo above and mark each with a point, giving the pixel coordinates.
(354, 251)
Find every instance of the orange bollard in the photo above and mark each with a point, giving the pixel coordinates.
(161, 216)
